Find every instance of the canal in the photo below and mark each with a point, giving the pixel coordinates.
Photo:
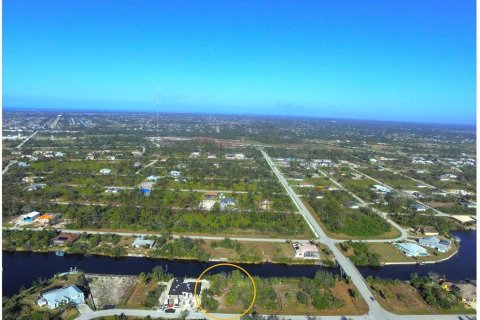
(22, 268)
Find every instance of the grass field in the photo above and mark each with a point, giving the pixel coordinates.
(404, 299)
(392, 234)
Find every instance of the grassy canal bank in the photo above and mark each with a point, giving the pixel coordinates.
(113, 245)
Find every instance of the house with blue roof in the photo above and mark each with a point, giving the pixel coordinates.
(435, 243)
(226, 203)
(140, 242)
(55, 298)
(412, 249)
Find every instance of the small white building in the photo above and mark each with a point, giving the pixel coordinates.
(380, 189)
(447, 177)
(306, 250)
(207, 204)
(140, 242)
(175, 174)
(153, 178)
(240, 156)
(418, 207)
(105, 171)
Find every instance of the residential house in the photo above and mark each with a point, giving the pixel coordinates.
(428, 230)
(297, 177)
(422, 186)
(265, 204)
(55, 298)
(145, 188)
(137, 164)
(195, 154)
(153, 178)
(45, 218)
(435, 243)
(65, 238)
(352, 205)
(136, 153)
(304, 184)
(105, 171)
(412, 249)
(306, 250)
(467, 292)
(175, 174)
(28, 179)
(468, 204)
(31, 216)
(113, 190)
(36, 186)
(418, 207)
(380, 189)
(145, 191)
(140, 242)
(316, 194)
(59, 154)
(207, 204)
(22, 164)
(210, 195)
(447, 177)
(227, 203)
(459, 192)
(181, 290)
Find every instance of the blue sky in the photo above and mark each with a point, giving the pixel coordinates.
(404, 60)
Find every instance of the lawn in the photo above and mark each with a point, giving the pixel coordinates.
(388, 253)
(402, 298)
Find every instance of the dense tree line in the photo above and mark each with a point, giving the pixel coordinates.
(362, 255)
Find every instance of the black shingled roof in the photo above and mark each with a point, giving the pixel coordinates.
(179, 287)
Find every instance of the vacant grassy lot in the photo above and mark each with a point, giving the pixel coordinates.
(259, 252)
(402, 298)
(138, 295)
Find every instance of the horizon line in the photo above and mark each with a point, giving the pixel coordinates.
(128, 110)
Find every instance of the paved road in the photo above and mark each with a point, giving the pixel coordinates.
(8, 166)
(375, 310)
(437, 212)
(54, 124)
(175, 236)
(335, 182)
(416, 180)
(87, 314)
(24, 141)
(148, 165)
(384, 215)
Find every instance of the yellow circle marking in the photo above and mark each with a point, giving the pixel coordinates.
(231, 265)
